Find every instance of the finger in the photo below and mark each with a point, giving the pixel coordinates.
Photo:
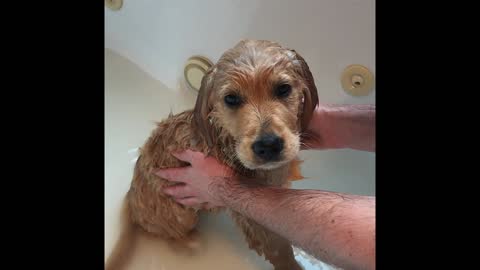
(178, 191)
(189, 156)
(191, 201)
(175, 174)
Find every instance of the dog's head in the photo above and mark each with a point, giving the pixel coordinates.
(261, 94)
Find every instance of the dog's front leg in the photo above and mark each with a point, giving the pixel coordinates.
(276, 249)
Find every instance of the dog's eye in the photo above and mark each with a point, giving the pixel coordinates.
(283, 90)
(232, 100)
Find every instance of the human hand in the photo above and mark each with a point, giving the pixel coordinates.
(200, 182)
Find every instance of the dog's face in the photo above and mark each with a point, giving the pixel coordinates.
(262, 95)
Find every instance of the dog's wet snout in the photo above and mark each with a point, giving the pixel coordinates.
(268, 147)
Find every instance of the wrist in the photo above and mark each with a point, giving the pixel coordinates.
(223, 188)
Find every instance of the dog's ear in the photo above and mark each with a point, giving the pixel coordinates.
(310, 95)
(203, 107)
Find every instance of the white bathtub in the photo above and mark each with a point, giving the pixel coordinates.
(157, 38)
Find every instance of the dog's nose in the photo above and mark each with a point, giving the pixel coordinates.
(268, 147)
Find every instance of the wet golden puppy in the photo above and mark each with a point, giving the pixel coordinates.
(252, 108)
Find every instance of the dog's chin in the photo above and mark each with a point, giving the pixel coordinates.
(264, 166)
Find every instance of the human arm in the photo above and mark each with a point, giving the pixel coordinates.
(336, 228)
(341, 126)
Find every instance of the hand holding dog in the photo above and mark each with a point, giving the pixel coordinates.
(199, 182)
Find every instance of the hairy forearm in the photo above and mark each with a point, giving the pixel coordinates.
(336, 228)
(347, 126)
